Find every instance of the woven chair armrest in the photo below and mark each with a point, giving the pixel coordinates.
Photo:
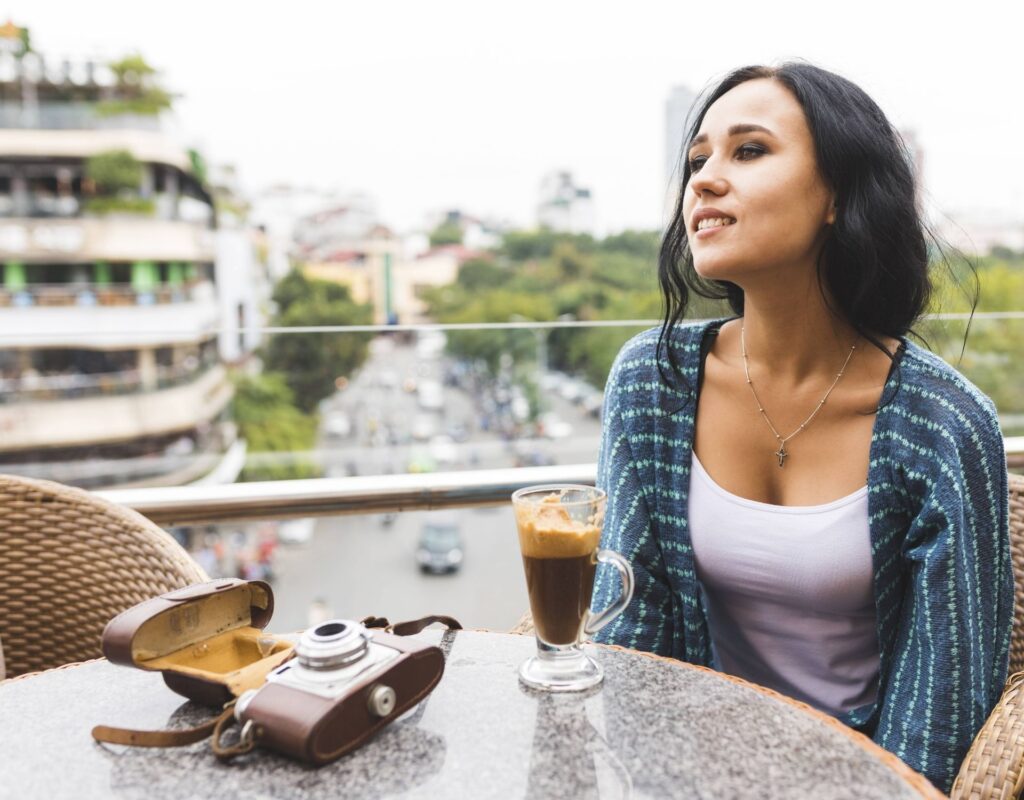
(525, 625)
(994, 766)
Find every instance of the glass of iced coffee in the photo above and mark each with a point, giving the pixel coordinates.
(559, 536)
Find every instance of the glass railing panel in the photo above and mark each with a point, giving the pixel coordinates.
(392, 401)
(416, 403)
(464, 563)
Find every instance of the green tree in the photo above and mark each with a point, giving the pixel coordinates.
(114, 172)
(265, 412)
(640, 244)
(117, 175)
(479, 274)
(446, 233)
(136, 89)
(311, 362)
(540, 243)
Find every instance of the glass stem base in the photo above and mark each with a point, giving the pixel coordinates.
(560, 668)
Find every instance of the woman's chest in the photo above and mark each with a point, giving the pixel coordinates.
(809, 557)
(743, 451)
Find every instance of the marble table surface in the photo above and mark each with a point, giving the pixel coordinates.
(655, 728)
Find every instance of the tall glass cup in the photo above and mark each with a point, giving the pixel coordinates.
(559, 536)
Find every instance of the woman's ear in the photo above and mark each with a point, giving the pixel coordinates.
(830, 218)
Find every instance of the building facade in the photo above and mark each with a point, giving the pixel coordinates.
(110, 372)
(677, 111)
(564, 206)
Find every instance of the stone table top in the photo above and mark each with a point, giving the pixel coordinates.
(655, 728)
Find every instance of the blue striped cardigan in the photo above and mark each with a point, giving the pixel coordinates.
(938, 516)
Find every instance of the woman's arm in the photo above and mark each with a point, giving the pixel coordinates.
(952, 642)
(647, 622)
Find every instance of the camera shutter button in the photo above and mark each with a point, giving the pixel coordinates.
(381, 700)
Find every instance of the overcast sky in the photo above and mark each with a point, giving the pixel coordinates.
(430, 105)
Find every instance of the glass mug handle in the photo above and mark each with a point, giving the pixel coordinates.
(597, 621)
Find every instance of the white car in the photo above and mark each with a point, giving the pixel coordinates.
(430, 395)
(552, 426)
(424, 427)
(430, 344)
(339, 425)
(296, 531)
(444, 450)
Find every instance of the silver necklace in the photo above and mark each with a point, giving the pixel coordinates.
(781, 452)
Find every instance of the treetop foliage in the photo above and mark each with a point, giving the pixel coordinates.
(311, 362)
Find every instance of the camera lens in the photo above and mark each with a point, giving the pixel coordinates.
(330, 629)
(332, 644)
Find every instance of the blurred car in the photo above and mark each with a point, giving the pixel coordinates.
(571, 390)
(526, 456)
(424, 426)
(430, 344)
(338, 425)
(551, 381)
(443, 450)
(551, 426)
(458, 431)
(520, 408)
(387, 379)
(296, 531)
(593, 402)
(430, 395)
(440, 546)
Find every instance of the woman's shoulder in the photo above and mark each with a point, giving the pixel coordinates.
(934, 385)
(938, 417)
(640, 357)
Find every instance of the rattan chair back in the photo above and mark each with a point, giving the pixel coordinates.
(994, 766)
(69, 563)
(1017, 554)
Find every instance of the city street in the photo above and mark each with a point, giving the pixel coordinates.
(354, 566)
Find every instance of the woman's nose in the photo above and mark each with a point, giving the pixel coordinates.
(708, 179)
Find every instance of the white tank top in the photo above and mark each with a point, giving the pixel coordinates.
(789, 592)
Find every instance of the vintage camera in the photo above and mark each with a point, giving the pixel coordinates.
(344, 684)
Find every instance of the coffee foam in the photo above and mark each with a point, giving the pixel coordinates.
(547, 531)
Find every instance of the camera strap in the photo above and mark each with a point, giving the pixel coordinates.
(176, 738)
(411, 627)
(217, 725)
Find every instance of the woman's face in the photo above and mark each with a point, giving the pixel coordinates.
(764, 182)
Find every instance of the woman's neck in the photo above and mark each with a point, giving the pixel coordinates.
(795, 339)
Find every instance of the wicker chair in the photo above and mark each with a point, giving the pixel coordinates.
(69, 562)
(994, 766)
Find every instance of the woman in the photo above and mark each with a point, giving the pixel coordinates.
(809, 500)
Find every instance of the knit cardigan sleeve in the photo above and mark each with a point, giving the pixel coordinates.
(647, 622)
(950, 655)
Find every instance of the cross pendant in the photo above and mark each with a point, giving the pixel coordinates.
(781, 454)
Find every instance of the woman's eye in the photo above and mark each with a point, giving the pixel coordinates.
(745, 153)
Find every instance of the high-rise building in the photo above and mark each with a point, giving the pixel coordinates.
(677, 109)
(916, 152)
(110, 373)
(564, 206)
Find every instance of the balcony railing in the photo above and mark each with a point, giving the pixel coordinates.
(72, 116)
(105, 384)
(87, 295)
(182, 505)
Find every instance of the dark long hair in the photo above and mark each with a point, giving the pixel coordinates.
(873, 268)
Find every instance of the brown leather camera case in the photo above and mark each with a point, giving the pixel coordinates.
(206, 639)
